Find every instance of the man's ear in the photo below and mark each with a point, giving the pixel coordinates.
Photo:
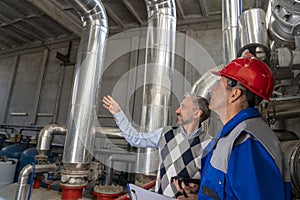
(236, 93)
(198, 113)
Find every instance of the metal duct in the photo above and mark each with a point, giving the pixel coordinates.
(253, 34)
(46, 137)
(231, 10)
(80, 136)
(158, 78)
(205, 82)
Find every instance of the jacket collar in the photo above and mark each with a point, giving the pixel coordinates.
(244, 114)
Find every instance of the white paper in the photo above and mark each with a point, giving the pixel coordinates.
(138, 193)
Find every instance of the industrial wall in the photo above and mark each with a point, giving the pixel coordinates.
(36, 85)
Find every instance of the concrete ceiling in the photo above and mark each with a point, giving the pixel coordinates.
(34, 22)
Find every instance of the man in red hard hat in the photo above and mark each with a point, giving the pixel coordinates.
(245, 160)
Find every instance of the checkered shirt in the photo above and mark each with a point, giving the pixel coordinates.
(179, 156)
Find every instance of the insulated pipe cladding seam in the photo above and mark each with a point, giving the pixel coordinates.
(80, 136)
(158, 76)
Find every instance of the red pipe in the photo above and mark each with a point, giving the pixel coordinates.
(101, 196)
(147, 186)
(71, 193)
(37, 183)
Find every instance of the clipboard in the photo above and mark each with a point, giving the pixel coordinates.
(137, 193)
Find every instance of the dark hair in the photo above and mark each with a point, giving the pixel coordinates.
(252, 98)
(202, 104)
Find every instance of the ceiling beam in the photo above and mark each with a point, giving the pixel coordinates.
(114, 16)
(179, 10)
(200, 23)
(133, 12)
(199, 20)
(15, 34)
(203, 8)
(58, 15)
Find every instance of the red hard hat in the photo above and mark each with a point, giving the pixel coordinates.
(252, 74)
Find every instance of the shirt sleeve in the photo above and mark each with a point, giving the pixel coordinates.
(253, 174)
(135, 138)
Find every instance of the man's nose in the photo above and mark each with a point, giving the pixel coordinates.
(178, 111)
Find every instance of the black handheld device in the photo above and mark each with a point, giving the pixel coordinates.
(186, 182)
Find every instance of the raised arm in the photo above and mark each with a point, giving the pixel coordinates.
(135, 138)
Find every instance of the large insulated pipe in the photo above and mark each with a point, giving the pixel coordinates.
(158, 78)
(253, 34)
(80, 134)
(231, 10)
(23, 187)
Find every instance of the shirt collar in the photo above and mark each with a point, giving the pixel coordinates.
(192, 134)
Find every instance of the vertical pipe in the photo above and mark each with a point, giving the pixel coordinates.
(231, 10)
(80, 135)
(253, 34)
(158, 78)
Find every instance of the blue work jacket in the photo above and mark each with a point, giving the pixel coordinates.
(245, 161)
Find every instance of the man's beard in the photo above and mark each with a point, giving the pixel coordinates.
(181, 121)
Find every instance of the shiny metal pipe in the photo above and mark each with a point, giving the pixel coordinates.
(284, 115)
(23, 187)
(80, 136)
(203, 85)
(231, 10)
(158, 78)
(46, 137)
(253, 33)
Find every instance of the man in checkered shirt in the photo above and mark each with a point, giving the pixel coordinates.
(180, 149)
